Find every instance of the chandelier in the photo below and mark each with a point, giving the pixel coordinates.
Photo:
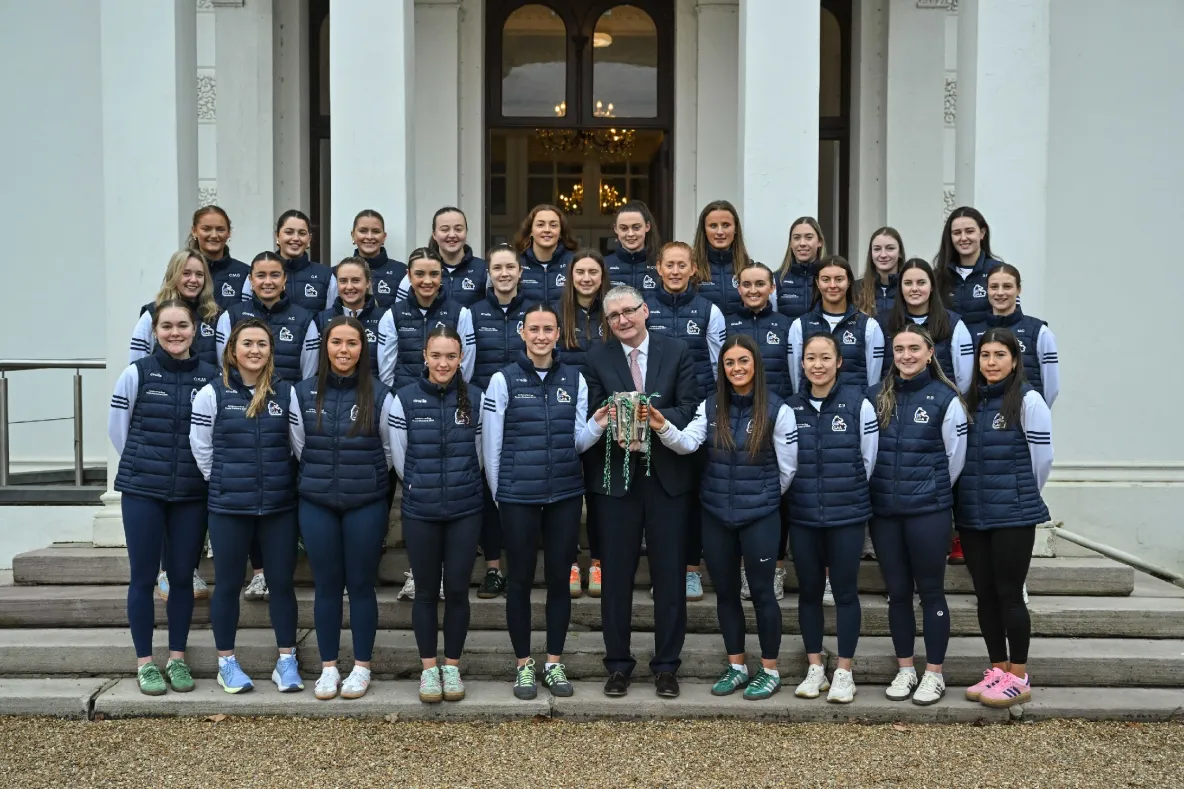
(610, 199)
(603, 142)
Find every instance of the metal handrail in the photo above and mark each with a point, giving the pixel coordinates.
(16, 365)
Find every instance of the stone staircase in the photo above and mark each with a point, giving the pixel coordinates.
(1108, 642)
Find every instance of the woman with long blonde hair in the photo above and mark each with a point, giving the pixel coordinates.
(186, 278)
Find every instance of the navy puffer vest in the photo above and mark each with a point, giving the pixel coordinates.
(997, 488)
(851, 335)
(230, 276)
(157, 462)
(205, 341)
(442, 475)
(369, 316)
(1027, 331)
(339, 470)
(633, 269)
(686, 316)
(308, 283)
(795, 290)
(912, 473)
(943, 350)
(721, 290)
(252, 463)
(544, 283)
(968, 297)
(770, 331)
(289, 326)
(386, 274)
(413, 324)
(589, 326)
(497, 331)
(539, 463)
(737, 488)
(466, 282)
(830, 487)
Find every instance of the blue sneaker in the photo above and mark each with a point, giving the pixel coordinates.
(694, 585)
(286, 675)
(231, 677)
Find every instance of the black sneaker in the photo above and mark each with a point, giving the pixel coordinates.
(524, 682)
(492, 585)
(555, 678)
(617, 685)
(666, 684)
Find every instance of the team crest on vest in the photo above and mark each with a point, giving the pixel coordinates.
(192, 395)
(273, 408)
(519, 327)
(370, 336)
(440, 324)
(1023, 348)
(460, 417)
(693, 329)
(227, 290)
(648, 283)
(562, 396)
(735, 281)
(383, 286)
(772, 339)
(560, 280)
(353, 413)
(467, 284)
(921, 417)
(848, 337)
(207, 330)
(310, 291)
(838, 425)
(748, 429)
(979, 292)
(286, 334)
(998, 423)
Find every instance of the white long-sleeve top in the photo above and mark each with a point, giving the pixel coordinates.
(785, 439)
(144, 339)
(297, 434)
(717, 332)
(388, 345)
(201, 428)
(497, 398)
(954, 427)
(1050, 370)
(869, 435)
(873, 349)
(123, 402)
(309, 351)
(398, 432)
(1036, 422)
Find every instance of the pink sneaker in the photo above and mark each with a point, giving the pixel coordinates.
(1007, 692)
(990, 678)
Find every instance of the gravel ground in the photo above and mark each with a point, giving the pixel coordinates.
(292, 753)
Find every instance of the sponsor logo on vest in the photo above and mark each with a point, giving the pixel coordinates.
(353, 413)
(648, 283)
(998, 423)
(838, 425)
(157, 393)
(848, 338)
(978, 292)
(693, 329)
(274, 409)
(772, 339)
(370, 336)
(236, 408)
(227, 290)
(460, 417)
(207, 330)
(286, 334)
(921, 417)
(383, 287)
(418, 401)
(310, 291)
(155, 375)
(427, 419)
(562, 396)
(467, 284)
(560, 280)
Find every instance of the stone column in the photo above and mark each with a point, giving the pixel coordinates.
(717, 105)
(149, 85)
(437, 115)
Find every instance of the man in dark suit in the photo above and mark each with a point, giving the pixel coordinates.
(634, 360)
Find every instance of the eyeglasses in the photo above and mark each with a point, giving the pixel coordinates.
(615, 317)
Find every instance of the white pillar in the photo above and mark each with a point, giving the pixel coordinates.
(472, 120)
(686, 108)
(717, 105)
(869, 87)
(1002, 129)
(246, 144)
(916, 124)
(371, 143)
(149, 79)
(778, 90)
(291, 129)
(437, 113)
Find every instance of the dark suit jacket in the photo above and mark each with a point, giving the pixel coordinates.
(670, 375)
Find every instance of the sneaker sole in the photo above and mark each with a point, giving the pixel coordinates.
(825, 686)
(175, 689)
(351, 695)
(431, 698)
(275, 677)
(770, 695)
(593, 592)
(146, 692)
(729, 692)
(562, 693)
(1000, 704)
(523, 697)
(921, 703)
(617, 694)
(898, 698)
(576, 593)
(487, 595)
(974, 695)
(694, 598)
(847, 700)
(454, 696)
(322, 696)
(162, 595)
(243, 689)
(201, 595)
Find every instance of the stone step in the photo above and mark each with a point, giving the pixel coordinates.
(1136, 616)
(1052, 662)
(397, 701)
(1057, 576)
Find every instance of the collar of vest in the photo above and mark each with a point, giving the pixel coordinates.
(526, 364)
(413, 302)
(807, 394)
(634, 258)
(766, 310)
(989, 391)
(916, 383)
(819, 313)
(556, 256)
(236, 382)
(892, 278)
(367, 308)
(799, 269)
(298, 264)
(335, 381)
(222, 262)
(1006, 320)
(980, 266)
(720, 257)
(275, 309)
(175, 365)
(434, 389)
(465, 263)
(674, 299)
(514, 304)
(739, 400)
(377, 263)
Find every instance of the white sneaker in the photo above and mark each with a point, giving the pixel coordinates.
(356, 684)
(814, 683)
(842, 690)
(1025, 591)
(931, 689)
(327, 684)
(902, 685)
(828, 597)
(869, 550)
(745, 592)
(779, 582)
(256, 589)
(200, 590)
(408, 590)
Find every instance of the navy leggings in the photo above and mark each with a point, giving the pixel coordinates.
(147, 525)
(998, 561)
(838, 548)
(491, 528)
(231, 537)
(911, 551)
(438, 549)
(559, 525)
(344, 549)
(725, 545)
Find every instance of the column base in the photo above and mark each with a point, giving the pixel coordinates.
(107, 531)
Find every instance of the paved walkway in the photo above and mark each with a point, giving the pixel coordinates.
(295, 753)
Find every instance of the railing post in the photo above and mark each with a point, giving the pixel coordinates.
(78, 428)
(3, 430)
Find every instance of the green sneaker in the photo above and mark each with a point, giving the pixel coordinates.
(555, 678)
(454, 688)
(762, 686)
(525, 687)
(151, 683)
(429, 686)
(728, 681)
(178, 676)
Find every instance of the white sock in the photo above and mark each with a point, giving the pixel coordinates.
(288, 656)
(222, 660)
(550, 665)
(908, 670)
(362, 672)
(743, 669)
(937, 674)
(331, 671)
(774, 673)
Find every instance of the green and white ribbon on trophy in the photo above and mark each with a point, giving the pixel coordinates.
(627, 430)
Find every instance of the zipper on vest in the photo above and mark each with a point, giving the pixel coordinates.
(547, 423)
(443, 451)
(336, 470)
(259, 456)
(896, 468)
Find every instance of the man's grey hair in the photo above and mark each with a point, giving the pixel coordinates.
(620, 292)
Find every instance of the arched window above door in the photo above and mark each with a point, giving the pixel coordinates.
(534, 63)
(625, 64)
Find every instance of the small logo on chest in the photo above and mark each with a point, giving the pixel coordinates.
(562, 396)
(383, 287)
(648, 283)
(693, 329)
(979, 292)
(273, 408)
(286, 334)
(353, 413)
(998, 423)
(370, 336)
(921, 417)
(467, 284)
(838, 425)
(310, 291)
(848, 337)
(461, 418)
(772, 339)
(227, 290)
(560, 280)
(207, 330)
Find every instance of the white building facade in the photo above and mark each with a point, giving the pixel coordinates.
(1055, 118)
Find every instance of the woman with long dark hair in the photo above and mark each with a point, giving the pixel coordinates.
(386, 273)
(963, 259)
(997, 506)
(340, 432)
(918, 303)
(208, 237)
(751, 438)
(354, 298)
(545, 245)
(638, 241)
(875, 291)
(719, 256)
(465, 276)
(795, 278)
(309, 285)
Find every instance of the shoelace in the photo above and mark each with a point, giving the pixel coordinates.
(762, 681)
(929, 684)
(451, 676)
(525, 676)
(179, 671)
(902, 680)
(557, 674)
(732, 676)
(328, 681)
(355, 681)
(430, 680)
(150, 673)
(815, 674)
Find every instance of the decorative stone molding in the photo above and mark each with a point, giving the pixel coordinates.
(951, 99)
(947, 199)
(207, 98)
(205, 5)
(207, 194)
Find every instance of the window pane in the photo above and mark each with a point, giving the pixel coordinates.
(534, 64)
(829, 192)
(830, 92)
(625, 64)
